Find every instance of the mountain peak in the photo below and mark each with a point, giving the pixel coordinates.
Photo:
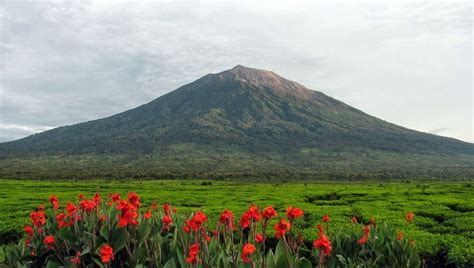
(265, 79)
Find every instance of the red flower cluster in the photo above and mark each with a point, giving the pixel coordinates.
(259, 238)
(87, 205)
(322, 242)
(409, 217)
(49, 241)
(54, 201)
(326, 218)
(247, 250)
(106, 254)
(38, 218)
(76, 259)
(195, 222)
(134, 199)
(364, 237)
(128, 213)
(251, 215)
(60, 218)
(227, 219)
(114, 198)
(193, 254)
(29, 231)
(294, 213)
(269, 212)
(166, 208)
(166, 222)
(281, 228)
(147, 214)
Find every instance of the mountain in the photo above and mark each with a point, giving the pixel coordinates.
(240, 122)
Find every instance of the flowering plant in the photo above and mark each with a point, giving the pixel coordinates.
(120, 232)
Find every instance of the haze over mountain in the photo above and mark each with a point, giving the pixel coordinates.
(240, 121)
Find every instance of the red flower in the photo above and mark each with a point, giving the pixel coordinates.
(247, 250)
(71, 208)
(166, 208)
(326, 218)
(281, 228)
(38, 218)
(87, 205)
(227, 219)
(54, 201)
(320, 228)
(106, 254)
(80, 196)
(27, 242)
(251, 215)
(293, 213)
(114, 198)
(215, 233)
(29, 231)
(195, 222)
(206, 236)
(400, 235)
(322, 243)
(366, 230)
(96, 199)
(193, 252)
(77, 258)
(49, 241)
(166, 222)
(128, 213)
(409, 217)
(244, 221)
(269, 212)
(103, 218)
(147, 214)
(354, 220)
(60, 219)
(363, 240)
(259, 238)
(134, 199)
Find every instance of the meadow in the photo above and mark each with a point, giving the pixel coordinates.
(444, 211)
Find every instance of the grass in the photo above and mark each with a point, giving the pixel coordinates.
(443, 229)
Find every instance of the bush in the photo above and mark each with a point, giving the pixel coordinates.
(120, 233)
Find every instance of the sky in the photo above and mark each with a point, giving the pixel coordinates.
(65, 62)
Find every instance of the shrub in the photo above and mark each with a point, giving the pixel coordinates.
(119, 232)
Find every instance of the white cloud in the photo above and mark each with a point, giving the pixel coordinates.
(65, 62)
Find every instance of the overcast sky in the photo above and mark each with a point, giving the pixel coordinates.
(66, 62)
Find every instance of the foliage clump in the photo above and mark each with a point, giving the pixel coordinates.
(119, 232)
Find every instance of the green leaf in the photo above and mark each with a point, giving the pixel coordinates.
(104, 232)
(170, 264)
(52, 264)
(305, 263)
(270, 259)
(143, 231)
(281, 255)
(119, 239)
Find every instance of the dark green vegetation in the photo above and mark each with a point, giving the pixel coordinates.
(443, 228)
(241, 122)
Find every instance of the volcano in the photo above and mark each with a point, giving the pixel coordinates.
(240, 122)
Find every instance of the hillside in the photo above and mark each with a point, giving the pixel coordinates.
(240, 121)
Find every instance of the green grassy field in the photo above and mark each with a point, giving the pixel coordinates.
(443, 229)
